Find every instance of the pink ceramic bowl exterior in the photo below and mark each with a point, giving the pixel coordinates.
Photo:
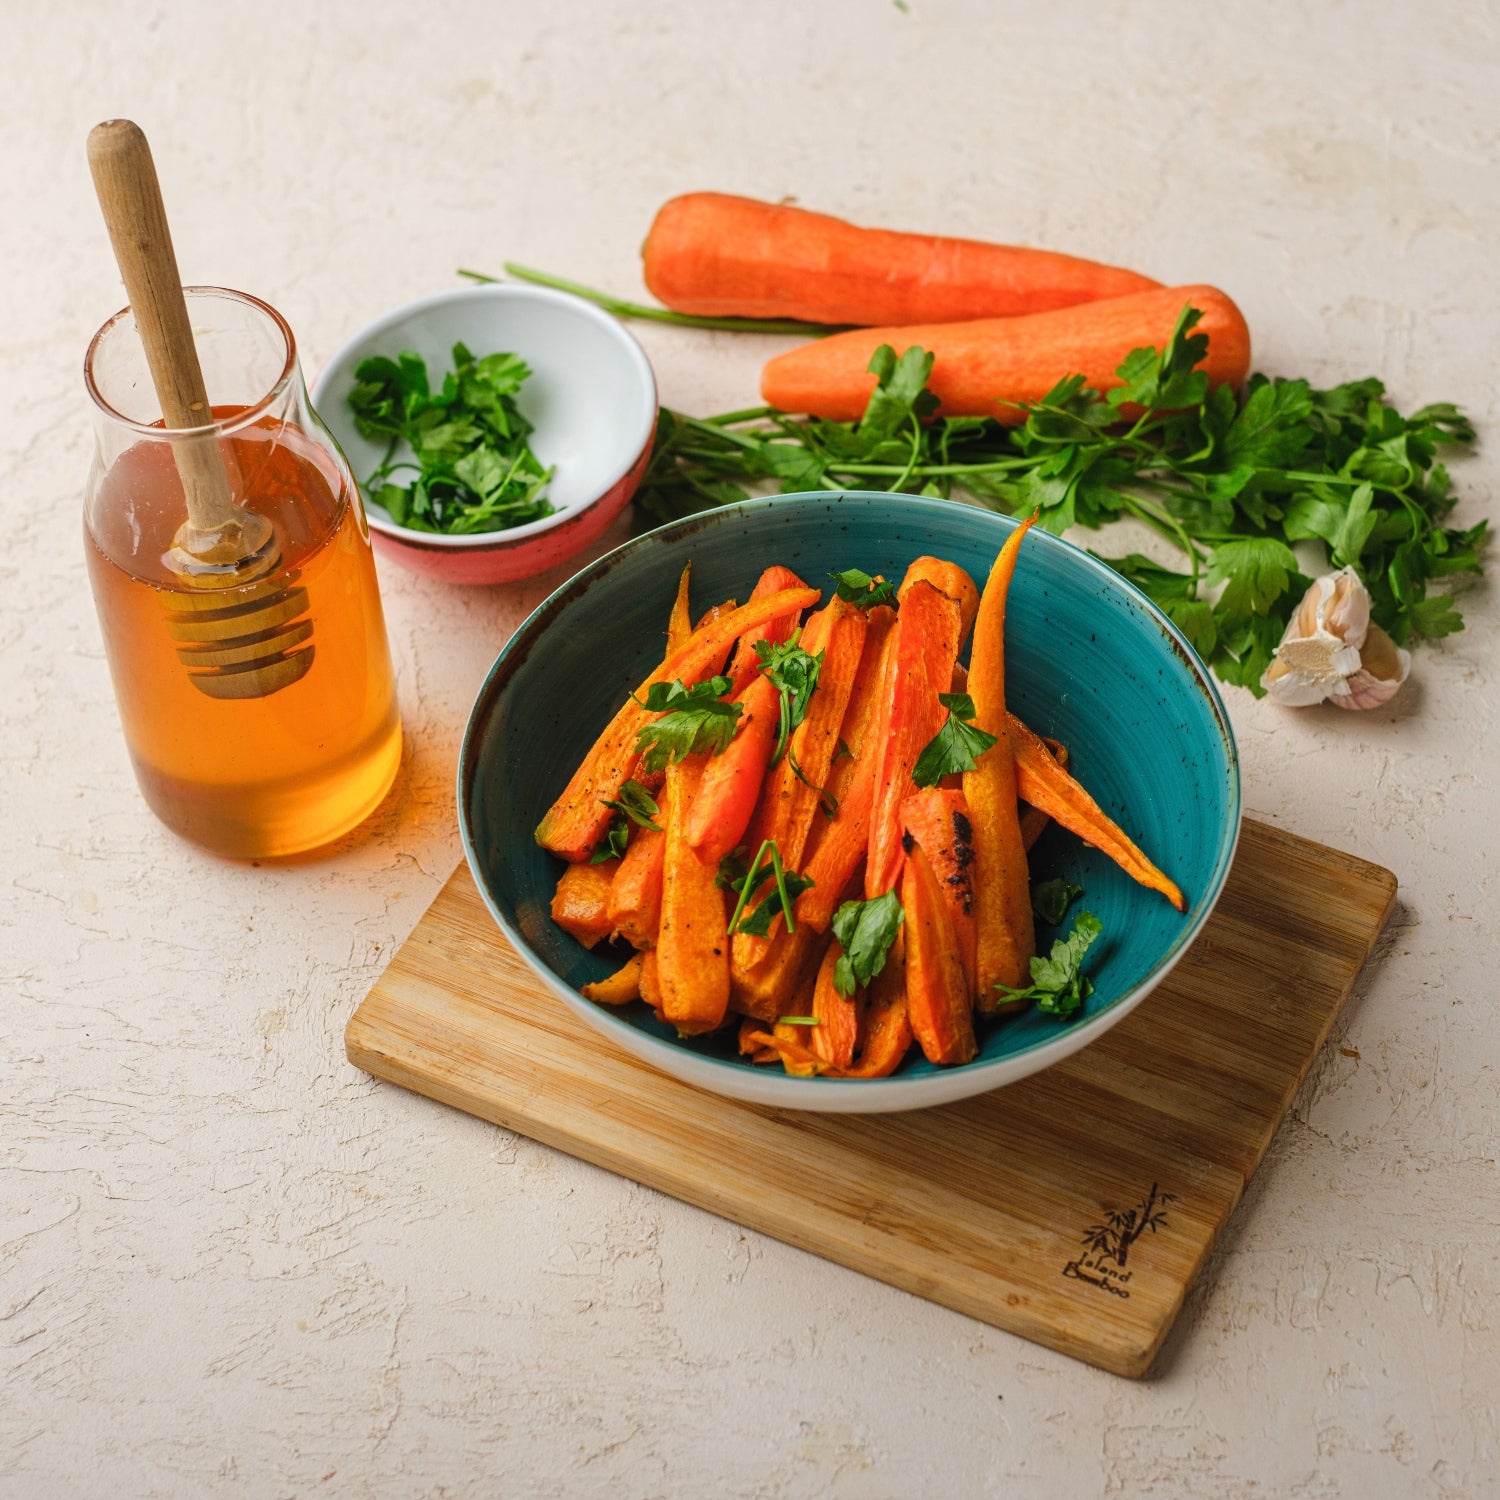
(591, 398)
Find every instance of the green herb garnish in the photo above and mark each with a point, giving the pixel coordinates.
(787, 887)
(956, 747)
(793, 672)
(637, 804)
(474, 469)
(1231, 481)
(858, 588)
(615, 842)
(1058, 983)
(1050, 899)
(798, 1021)
(694, 718)
(865, 930)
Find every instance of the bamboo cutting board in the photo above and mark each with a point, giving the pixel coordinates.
(1074, 1208)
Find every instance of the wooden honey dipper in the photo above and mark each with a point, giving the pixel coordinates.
(253, 644)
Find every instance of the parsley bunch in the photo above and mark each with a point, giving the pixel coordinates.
(1231, 481)
(474, 468)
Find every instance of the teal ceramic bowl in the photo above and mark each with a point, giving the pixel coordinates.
(1089, 661)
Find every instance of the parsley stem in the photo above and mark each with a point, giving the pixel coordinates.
(623, 309)
(749, 883)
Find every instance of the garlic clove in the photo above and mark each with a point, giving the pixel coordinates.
(1384, 667)
(1331, 651)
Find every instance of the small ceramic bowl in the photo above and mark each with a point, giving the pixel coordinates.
(1089, 660)
(591, 397)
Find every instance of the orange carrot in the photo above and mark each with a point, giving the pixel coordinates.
(948, 579)
(635, 892)
(1005, 940)
(832, 1039)
(651, 983)
(926, 643)
(886, 1027)
(762, 988)
(985, 368)
(680, 622)
(1033, 820)
(844, 843)
(623, 986)
(580, 904)
(575, 823)
(731, 785)
(938, 1002)
(1049, 788)
(788, 801)
(936, 820)
(692, 947)
(719, 255)
(745, 664)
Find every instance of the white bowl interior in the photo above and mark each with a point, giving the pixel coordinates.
(591, 395)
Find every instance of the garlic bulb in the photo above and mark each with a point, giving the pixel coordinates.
(1331, 650)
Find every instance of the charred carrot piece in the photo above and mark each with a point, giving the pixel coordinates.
(623, 986)
(680, 622)
(744, 664)
(926, 640)
(580, 905)
(1049, 788)
(635, 892)
(837, 1015)
(938, 999)
(692, 946)
(885, 1028)
(937, 821)
(1005, 939)
(576, 822)
(732, 783)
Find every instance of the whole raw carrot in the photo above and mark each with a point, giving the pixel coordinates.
(984, 368)
(724, 256)
(1004, 937)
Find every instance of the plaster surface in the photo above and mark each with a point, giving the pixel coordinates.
(232, 1265)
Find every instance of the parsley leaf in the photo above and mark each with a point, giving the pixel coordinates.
(787, 887)
(865, 931)
(858, 588)
(956, 746)
(637, 804)
(1050, 900)
(793, 672)
(474, 468)
(694, 719)
(1058, 984)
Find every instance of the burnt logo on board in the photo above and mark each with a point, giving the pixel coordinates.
(1104, 1261)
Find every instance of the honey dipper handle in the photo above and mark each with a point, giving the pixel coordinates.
(125, 180)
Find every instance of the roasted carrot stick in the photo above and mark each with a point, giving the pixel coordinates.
(936, 819)
(987, 367)
(950, 579)
(580, 904)
(886, 1028)
(794, 786)
(651, 983)
(761, 989)
(1049, 788)
(635, 892)
(926, 643)
(844, 844)
(1033, 820)
(938, 1001)
(1005, 940)
(732, 783)
(832, 1039)
(576, 822)
(680, 622)
(719, 254)
(692, 947)
(623, 986)
(744, 664)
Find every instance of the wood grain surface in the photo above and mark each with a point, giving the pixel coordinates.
(1074, 1208)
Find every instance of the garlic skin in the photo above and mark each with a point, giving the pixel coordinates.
(1331, 652)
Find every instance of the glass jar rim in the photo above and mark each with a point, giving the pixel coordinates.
(245, 417)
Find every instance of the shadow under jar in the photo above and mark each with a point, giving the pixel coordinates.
(259, 710)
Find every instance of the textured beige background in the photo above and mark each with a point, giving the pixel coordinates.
(230, 1264)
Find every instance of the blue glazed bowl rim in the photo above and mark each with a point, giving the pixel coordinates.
(884, 1093)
